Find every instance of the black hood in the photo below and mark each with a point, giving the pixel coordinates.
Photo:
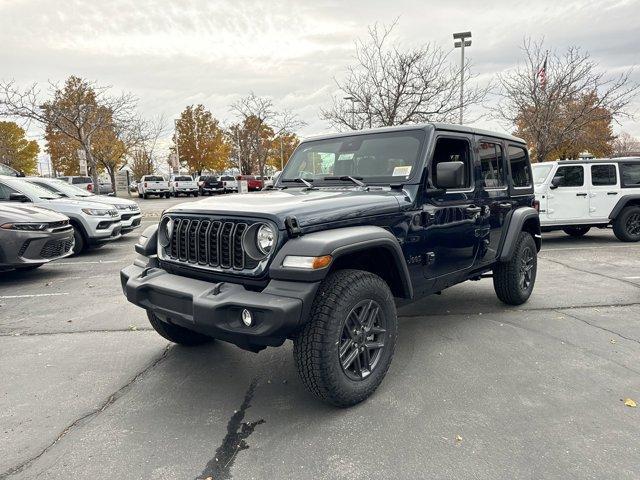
(309, 207)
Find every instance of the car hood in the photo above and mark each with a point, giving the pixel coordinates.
(66, 205)
(12, 212)
(309, 207)
(106, 200)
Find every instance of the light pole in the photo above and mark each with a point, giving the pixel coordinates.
(353, 110)
(460, 41)
(176, 168)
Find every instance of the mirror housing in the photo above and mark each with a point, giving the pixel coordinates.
(556, 182)
(450, 175)
(18, 197)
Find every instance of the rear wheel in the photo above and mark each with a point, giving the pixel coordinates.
(344, 351)
(177, 334)
(513, 281)
(576, 232)
(626, 226)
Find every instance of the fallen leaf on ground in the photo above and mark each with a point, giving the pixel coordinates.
(133, 328)
(630, 403)
(613, 340)
(458, 438)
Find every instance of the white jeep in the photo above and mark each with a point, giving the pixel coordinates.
(576, 195)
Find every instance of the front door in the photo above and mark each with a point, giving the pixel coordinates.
(604, 190)
(449, 242)
(569, 201)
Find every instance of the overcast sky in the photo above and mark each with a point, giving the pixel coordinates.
(172, 54)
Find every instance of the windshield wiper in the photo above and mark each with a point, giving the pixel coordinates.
(356, 180)
(300, 180)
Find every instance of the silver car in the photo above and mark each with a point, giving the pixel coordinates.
(32, 236)
(130, 215)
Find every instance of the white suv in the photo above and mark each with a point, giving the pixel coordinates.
(93, 223)
(576, 195)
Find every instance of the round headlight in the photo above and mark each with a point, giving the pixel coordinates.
(264, 239)
(165, 230)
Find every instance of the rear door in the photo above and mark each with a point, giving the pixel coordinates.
(604, 190)
(569, 201)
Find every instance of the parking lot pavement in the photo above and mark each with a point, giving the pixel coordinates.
(476, 389)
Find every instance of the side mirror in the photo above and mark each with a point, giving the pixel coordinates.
(18, 197)
(450, 175)
(556, 182)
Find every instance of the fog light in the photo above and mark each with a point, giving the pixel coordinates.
(246, 317)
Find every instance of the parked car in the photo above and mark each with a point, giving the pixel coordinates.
(32, 236)
(389, 214)
(10, 172)
(85, 183)
(230, 183)
(266, 181)
(133, 186)
(208, 184)
(183, 184)
(253, 183)
(153, 185)
(93, 223)
(577, 195)
(105, 188)
(130, 215)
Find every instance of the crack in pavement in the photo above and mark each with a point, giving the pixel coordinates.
(87, 416)
(591, 272)
(598, 327)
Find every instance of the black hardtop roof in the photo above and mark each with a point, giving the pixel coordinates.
(447, 127)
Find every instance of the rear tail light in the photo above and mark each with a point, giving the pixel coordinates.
(536, 205)
(176, 184)
(145, 184)
(90, 187)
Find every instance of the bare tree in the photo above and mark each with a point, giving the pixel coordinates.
(626, 145)
(79, 110)
(553, 99)
(390, 85)
(254, 138)
(143, 157)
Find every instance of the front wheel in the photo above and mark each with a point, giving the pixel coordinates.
(78, 241)
(343, 352)
(177, 334)
(576, 232)
(626, 226)
(513, 281)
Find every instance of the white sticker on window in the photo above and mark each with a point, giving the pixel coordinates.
(403, 171)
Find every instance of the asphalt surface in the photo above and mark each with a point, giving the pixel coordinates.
(476, 389)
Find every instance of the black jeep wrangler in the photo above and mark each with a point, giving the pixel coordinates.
(356, 223)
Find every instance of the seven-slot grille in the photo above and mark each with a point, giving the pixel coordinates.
(215, 243)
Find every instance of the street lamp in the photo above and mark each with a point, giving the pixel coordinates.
(460, 41)
(353, 110)
(176, 169)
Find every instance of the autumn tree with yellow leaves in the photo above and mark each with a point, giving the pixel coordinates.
(16, 150)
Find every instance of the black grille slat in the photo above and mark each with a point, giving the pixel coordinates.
(175, 240)
(238, 252)
(226, 244)
(202, 242)
(214, 252)
(183, 239)
(192, 241)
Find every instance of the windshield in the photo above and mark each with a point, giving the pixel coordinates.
(58, 186)
(7, 170)
(31, 190)
(379, 157)
(540, 172)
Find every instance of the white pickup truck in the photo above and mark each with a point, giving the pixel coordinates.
(183, 184)
(153, 185)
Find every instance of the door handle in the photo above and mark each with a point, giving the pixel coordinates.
(581, 194)
(505, 206)
(612, 193)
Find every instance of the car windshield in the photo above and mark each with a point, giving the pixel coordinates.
(31, 190)
(540, 172)
(58, 186)
(7, 170)
(378, 158)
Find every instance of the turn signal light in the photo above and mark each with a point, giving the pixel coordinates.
(307, 263)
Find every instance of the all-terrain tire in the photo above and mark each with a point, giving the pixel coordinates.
(626, 226)
(316, 348)
(177, 334)
(576, 232)
(513, 281)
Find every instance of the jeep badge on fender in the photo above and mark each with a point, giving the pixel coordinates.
(323, 257)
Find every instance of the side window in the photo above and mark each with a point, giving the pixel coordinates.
(603, 175)
(631, 175)
(491, 165)
(570, 176)
(452, 150)
(519, 165)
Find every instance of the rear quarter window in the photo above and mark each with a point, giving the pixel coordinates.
(519, 167)
(630, 173)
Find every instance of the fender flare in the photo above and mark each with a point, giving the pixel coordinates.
(623, 202)
(338, 243)
(147, 243)
(516, 222)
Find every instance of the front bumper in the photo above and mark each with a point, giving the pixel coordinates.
(130, 221)
(215, 309)
(22, 248)
(102, 229)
